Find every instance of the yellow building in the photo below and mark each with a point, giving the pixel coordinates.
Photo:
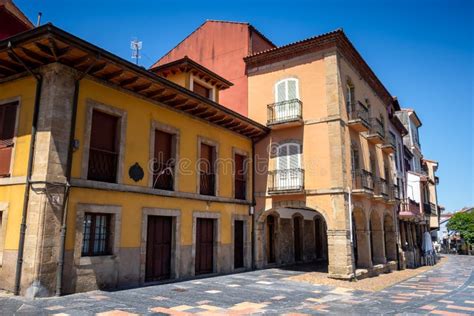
(329, 156)
(114, 176)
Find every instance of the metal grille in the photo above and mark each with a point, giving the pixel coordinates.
(359, 112)
(362, 180)
(163, 176)
(376, 127)
(96, 235)
(285, 111)
(286, 180)
(207, 186)
(102, 165)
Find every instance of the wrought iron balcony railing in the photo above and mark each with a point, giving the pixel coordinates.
(208, 183)
(286, 180)
(102, 165)
(285, 111)
(427, 208)
(359, 112)
(163, 176)
(240, 189)
(381, 188)
(362, 180)
(376, 128)
(389, 144)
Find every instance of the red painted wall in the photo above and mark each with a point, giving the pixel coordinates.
(10, 25)
(221, 47)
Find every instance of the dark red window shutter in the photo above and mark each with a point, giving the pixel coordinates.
(7, 133)
(240, 181)
(103, 152)
(207, 185)
(164, 164)
(201, 90)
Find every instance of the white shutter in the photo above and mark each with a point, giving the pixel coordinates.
(293, 156)
(281, 92)
(292, 90)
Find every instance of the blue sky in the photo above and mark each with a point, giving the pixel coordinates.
(421, 50)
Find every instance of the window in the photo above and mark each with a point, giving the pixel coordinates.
(240, 177)
(373, 165)
(287, 99)
(207, 170)
(289, 173)
(355, 159)
(202, 90)
(97, 231)
(164, 162)
(350, 98)
(103, 152)
(7, 133)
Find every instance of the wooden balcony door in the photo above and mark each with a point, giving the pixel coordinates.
(204, 246)
(158, 248)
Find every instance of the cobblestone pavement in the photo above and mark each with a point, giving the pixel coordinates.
(447, 290)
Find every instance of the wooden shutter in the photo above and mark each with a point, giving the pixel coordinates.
(7, 133)
(201, 90)
(103, 153)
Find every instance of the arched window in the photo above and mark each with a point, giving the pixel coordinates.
(289, 174)
(286, 89)
(350, 96)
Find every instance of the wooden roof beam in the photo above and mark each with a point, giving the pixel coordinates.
(112, 75)
(142, 87)
(97, 68)
(57, 52)
(10, 66)
(34, 56)
(167, 98)
(155, 93)
(128, 81)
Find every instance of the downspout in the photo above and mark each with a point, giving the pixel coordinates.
(64, 207)
(253, 207)
(349, 192)
(21, 243)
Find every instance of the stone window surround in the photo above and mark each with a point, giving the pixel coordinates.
(215, 144)
(217, 239)
(116, 224)
(175, 242)
(3, 228)
(248, 188)
(92, 105)
(156, 125)
(247, 244)
(15, 133)
(204, 84)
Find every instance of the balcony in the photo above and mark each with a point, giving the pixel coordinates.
(381, 189)
(409, 209)
(362, 182)
(102, 165)
(429, 208)
(376, 133)
(285, 114)
(286, 181)
(389, 146)
(392, 193)
(358, 117)
(208, 183)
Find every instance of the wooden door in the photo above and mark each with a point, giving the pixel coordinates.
(297, 238)
(238, 244)
(204, 245)
(158, 248)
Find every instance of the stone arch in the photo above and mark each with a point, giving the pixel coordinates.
(377, 237)
(321, 237)
(361, 241)
(390, 235)
(297, 223)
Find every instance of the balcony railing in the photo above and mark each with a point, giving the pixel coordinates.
(286, 180)
(358, 117)
(207, 183)
(376, 131)
(362, 180)
(427, 208)
(240, 189)
(381, 188)
(102, 165)
(285, 111)
(163, 176)
(389, 144)
(396, 192)
(410, 206)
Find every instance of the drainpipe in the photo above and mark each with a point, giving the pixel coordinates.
(21, 243)
(349, 192)
(253, 207)
(64, 207)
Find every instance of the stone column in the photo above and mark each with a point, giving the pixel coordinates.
(391, 245)
(49, 169)
(378, 246)
(364, 256)
(403, 236)
(340, 253)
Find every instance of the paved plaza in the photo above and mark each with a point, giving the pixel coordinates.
(445, 290)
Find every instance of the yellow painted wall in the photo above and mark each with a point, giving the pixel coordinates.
(140, 114)
(181, 78)
(24, 89)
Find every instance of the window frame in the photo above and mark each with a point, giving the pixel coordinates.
(275, 89)
(288, 144)
(16, 100)
(159, 126)
(215, 144)
(213, 90)
(121, 138)
(92, 235)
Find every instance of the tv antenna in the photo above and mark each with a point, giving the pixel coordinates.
(136, 45)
